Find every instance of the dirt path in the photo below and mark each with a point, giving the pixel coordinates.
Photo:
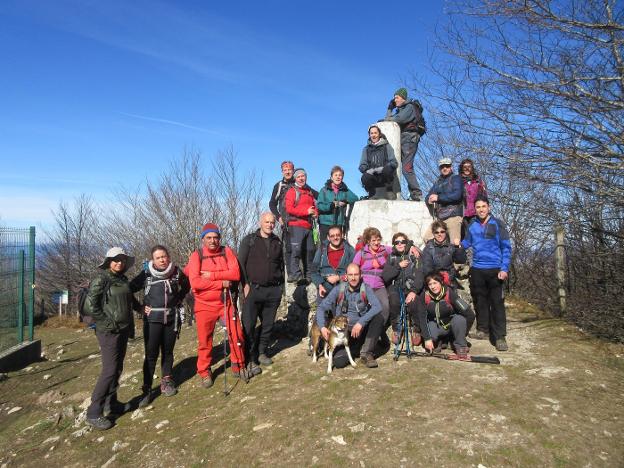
(554, 401)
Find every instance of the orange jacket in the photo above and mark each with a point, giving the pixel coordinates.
(222, 264)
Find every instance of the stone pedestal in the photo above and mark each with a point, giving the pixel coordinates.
(393, 134)
(409, 217)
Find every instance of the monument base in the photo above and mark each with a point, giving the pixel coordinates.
(390, 216)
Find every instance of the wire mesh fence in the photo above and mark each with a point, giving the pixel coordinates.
(17, 263)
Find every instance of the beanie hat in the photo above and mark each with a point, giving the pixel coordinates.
(445, 162)
(209, 227)
(299, 171)
(401, 92)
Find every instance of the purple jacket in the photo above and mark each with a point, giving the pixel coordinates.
(364, 257)
(472, 189)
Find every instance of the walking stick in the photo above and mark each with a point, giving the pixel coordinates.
(226, 356)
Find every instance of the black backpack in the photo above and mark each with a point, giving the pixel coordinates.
(419, 124)
(84, 314)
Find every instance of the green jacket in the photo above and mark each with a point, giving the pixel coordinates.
(109, 302)
(328, 213)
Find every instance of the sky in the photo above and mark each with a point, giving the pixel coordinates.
(97, 95)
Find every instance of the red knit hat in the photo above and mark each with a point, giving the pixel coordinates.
(209, 227)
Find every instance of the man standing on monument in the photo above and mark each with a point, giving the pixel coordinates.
(408, 114)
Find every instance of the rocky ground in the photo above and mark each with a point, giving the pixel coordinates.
(555, 400)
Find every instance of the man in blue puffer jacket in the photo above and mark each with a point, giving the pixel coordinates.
(489, 239)
(446, 199)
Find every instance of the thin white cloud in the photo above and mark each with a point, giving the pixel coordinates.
(170, 122)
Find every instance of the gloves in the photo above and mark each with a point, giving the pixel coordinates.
(378, 170)
(391, 104)
(371, 171)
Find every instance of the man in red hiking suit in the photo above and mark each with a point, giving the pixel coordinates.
(301, 209)
(211, 272)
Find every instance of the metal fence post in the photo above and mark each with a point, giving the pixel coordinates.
(31, 305)
(20, 295)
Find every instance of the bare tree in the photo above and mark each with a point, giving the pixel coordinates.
(534, 91)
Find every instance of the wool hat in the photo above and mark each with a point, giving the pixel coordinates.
(209, 227)
(401, 92)
(299, 171)
(445, 162)
(116, 252)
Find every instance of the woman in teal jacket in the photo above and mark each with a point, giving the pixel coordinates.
(332, 202)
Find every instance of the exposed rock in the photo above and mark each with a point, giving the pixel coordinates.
(50, 397)
(162, 424)
(137, 414)
(119, 445)
(339, 440)
(51, 440)
(358, 427)
(81, 432)
(15, 409)
(47, 376)
(262, 426)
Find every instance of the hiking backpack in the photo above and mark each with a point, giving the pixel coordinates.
(341, 296)
(84, 314)
(418, 125)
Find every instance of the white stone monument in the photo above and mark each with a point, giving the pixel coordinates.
(390, 216)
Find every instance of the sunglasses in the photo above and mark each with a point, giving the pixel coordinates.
(398, 242)
(444, 165)
(331, 236)
(439, 232)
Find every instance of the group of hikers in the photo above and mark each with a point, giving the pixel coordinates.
(375, 285)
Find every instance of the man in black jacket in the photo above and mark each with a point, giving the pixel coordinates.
(261, 260)
(276, 205)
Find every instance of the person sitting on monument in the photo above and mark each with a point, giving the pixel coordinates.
(440, 254)
(333, 201)
(404, 279)
(378, 164)
(408, 114)
(446, 200)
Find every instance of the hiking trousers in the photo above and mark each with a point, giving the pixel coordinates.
(159, 338)
(487, 295)
(113, 351)
(409, 146)
(262, 302)
(365, 343)
(206, 319)
(458, 328)
(395, 310)
(370, 182)
(302, 251)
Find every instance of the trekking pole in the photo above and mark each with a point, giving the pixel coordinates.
(242, 369)
(435, 211)
(225, 344)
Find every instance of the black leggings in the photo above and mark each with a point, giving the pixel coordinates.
(159, 338)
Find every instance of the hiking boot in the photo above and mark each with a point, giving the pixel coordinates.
(479, 335)
(167, 386)
(415, 195)
(207, 381)
(265, 360)
(416, 338)
(241, 373)
(460, 354)
(115, 408)
(101, 423)
(501, 345)
(437, 347)
(146, 399)
(254, 369)
(368, 360)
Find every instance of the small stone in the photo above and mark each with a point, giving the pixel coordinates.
(137, 414)
(100, 439)
(339, 440)
(81, 432)
(262, 426)
(497, 418)
(119, 445)
(47, 376)
(92, 356)
(162, 424)
(15, 409)
(358, 427)
(315, 460)
(51, 440)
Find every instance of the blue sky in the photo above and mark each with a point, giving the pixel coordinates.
(96, 94)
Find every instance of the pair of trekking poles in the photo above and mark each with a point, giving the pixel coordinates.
(227, 294)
